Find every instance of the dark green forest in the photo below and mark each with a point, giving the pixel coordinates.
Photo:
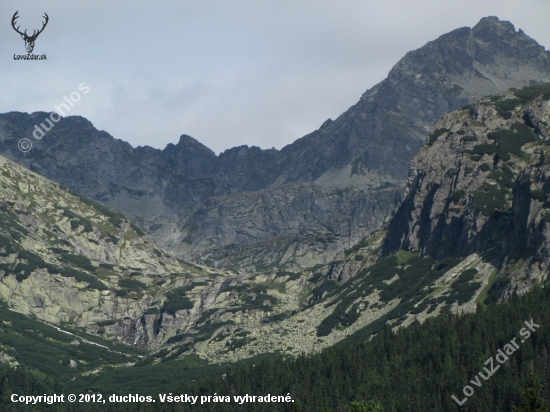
(415, 369)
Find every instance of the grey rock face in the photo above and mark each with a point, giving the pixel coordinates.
(65, 258)
(173, 192)
(482, 187)
(297, 224)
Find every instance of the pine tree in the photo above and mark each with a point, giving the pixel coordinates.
(362, 406)
(531, 397)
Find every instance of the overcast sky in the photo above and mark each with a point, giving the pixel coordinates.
(227, 72)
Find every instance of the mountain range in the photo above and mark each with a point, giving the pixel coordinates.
(426, 198)
(250, 208)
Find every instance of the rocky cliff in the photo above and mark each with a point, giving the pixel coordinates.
(480, 185)
(340, 182)
(72, 263)
(65, 259)
(473, 229)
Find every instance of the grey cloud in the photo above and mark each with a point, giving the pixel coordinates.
(226, 72)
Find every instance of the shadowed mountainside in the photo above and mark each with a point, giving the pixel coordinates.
(248, 207)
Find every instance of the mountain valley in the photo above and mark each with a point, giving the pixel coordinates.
(425, 203)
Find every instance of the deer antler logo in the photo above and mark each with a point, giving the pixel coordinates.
(29, 40)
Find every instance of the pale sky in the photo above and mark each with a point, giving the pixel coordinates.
(227, 72)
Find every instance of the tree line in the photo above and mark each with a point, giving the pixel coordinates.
(418, 368)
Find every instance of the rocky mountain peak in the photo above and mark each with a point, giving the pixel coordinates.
(356, 163)
(496, 42)
(495, 24)
(480, 185)
(189, 143)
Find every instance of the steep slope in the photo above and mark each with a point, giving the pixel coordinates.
(480, 185)
(473, 229)
(198, 204)
(53, 352)
(66, 259)
(70, 262)
(386, 128)
(76, 265)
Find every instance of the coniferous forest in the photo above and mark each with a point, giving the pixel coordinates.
(414, 369)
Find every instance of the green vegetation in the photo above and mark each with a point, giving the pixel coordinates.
(402, 276)
(490, 199)
(77, 220)
(98, 207)
(503, 176)
(315, 278)
(112, 238)
(144, 378)
(93, 282)
(467, 275)
(239, 343)
(177, 300)
(107, 322)
(28, 262)
(463, 289)
(458, 196)
(136, 229)
(538, 195)
(435, 135)
(277, 317)
(505, 107)
(47, 351)
(485, 167)
(532, 398)
(152, 311)
(329, 285)
(362, 406)
(362, 244)
(116, 221)
(355, 166)
(8, 245)
(9, 222)
(290, 275)
(131, 284)
(482, 297)
(510, 141)
(78, 260)
(532, 92)
(414, 369)
(257, 297)
(482, 149)
(506, 143)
